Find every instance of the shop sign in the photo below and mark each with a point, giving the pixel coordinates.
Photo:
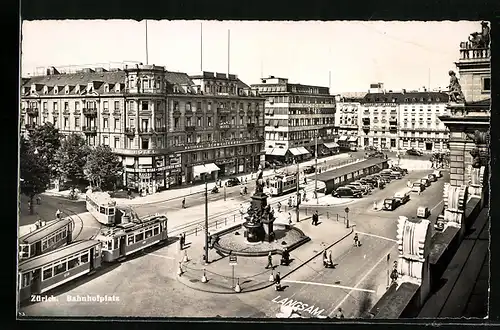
(152, 170)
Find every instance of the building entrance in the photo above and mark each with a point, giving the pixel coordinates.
(428, 146)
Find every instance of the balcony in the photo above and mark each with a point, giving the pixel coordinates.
(393, 120)
(146, 131)
(223, 111)
(468, 52)
(89, 130)
(216, 144)
(393, 128)
(190, 128)
(32, 112)
(424, 129)
(366, 127)
(224, 125)
(130, 131)
(176, 113)
(90, 112)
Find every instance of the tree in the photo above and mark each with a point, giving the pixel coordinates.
(71, 158)
(46, 139)
(34, 171)
(103, 168)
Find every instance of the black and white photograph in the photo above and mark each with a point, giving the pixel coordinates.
(254, 169)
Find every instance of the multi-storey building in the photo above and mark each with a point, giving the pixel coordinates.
(294, 116)
(347, 121)
(403, 120)
(160, 123)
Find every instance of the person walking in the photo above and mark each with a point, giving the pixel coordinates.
(279, 207)
(339, 314)
(315, 218)
(289, 218)
(269, 261)
(290, 201)
(329, 258)
(184, 203)
(181, 244)
(356, 240)
(277, 281)
(38, 200)
(58, 214)
(325, 259)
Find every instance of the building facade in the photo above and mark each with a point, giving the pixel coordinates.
(347, 121)
(403, 120)
(295, 115)
(160, 123)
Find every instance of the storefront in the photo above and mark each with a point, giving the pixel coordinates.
(343, 142)
(331, 147)
(353, 143)
(227, 166)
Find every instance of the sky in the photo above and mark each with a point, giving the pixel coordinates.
(354, 54)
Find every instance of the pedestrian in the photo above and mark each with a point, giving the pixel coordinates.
(38, 200)
(325, 259)
(246, 180)
(242, 211)
(329, 257)
(305, 180)
(339, 314)
(269, 260)
(181, 244)
(183, 239)
(374, 205)
(290, 201)
(58, 214)
(29, 205)
(129, 193)
(277, 281)
(184, 203)
(315, 193)
(289, 218)
(316, 217)
(356, 240)
(279, 207)
(245, 190)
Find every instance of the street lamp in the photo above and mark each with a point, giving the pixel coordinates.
(206, 219)
(298, 192)
(316, 168)
(346, 217)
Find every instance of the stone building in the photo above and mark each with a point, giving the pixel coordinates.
(160, 123)
(294, 115)
(348, 121)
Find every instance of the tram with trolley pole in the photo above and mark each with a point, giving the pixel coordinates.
(50, 270)
(282, 184)
(132, 235)
(101, 206)
(51, 236)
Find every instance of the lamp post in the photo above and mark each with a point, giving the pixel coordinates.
(346, 217)
(316, 168)
(206, 219)
(298, 192)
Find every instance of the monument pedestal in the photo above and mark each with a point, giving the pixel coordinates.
(268, 229)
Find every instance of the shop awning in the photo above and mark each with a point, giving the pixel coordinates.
(331, 145)
(303, 150)
(295, 151)
(129, 161)
(276, 151)
(343, 138)
(353, 139)
(207, 168)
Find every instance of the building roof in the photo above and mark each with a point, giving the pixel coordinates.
(330, 175)
(79, 78)
(482, 103)
(406, 97)
(44, 231)
(178, 78)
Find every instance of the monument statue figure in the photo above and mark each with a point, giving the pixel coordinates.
(259, 183)
(480, 39)
(454, 89)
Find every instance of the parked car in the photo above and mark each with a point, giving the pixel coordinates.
(390, 204)
(371, 184)
(439, 225)
(309, 169)
(423, 212)
(425, 181)
(363, 187)
(438, 173)
(432, 177)
(396, 175)
(375, 154)
(403, 195)
(401, 170)
(370, 148)
(346, 192)
(414, 152)
(417, 187)
(371, 180)
(232, 182)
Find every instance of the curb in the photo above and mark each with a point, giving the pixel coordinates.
(268, 284)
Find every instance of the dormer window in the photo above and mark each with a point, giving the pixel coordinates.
(117, 88)
(77, 89)
(45, 90)
(421, 99)
(414, 99)
(106, 88)
(56, 90)
(437, 99)
(89, 87)
(66, 90)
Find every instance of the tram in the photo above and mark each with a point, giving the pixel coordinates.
(101, 206)
(50, 270)
(46, 238)
(282, 184)
(128, 237)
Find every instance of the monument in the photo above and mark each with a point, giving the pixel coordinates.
(260, 216)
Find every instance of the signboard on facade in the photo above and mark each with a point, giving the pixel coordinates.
(233, 260)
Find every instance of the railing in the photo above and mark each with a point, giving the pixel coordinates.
(130, 131)
(146, 131)
(423, 129)
(224, 125)
(190, 128)
(467, 52)
(89, 129)
(89, 111)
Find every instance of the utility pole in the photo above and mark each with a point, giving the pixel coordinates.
(298, 192)
(316, 169)
(206, 219)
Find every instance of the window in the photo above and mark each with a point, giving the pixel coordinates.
(47, 273)
(188, 121)
(199, 122)
(44, 106)
(66, 106)
(105, 106)
(132, 123)
(145, 144)
(198, 106)
(117, 105)
(117, 142)
(188, 106)
(486, 85)
(60, 268)
(145, 105)
(156, 230)
(209, 107)
(106, 89)
(176, 122)
(73, 263)
(105, 140)
(102, 210)
(84, 257)
(130, 239)
(139, 237)
(66, 122)
(105, 122)
(209, 121)
(117, 123)
(55, 106)
(77, 105)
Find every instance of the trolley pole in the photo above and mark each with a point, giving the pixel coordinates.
(206, 219)
(316, 169)
(298, 192)
(224, 192)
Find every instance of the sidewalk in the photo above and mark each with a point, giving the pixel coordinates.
(250, 271)
(412, 164)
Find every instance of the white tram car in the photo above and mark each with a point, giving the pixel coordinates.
(101, 206)
(282, 184)
(128, 237)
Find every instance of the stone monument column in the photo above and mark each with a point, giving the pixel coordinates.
(414, 238)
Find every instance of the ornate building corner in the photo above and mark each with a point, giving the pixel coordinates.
(455, 199)
(475, 183)
(414, 239)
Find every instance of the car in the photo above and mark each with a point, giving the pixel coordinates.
(438, 173)
(382, 178)
(439, 225)
(371, 184)
(371, 180)
(370, 148)
(423, 212)
(396, 175)
(432, 177)
(401, 170)
(375, 154)
(414, 152)
(363, 187)
(417, 187)
(309, 169)
(390, 204)
(346, 192)
(232, 182)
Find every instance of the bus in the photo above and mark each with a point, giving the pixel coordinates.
(50, 270)
(128, 237)
(101, 206)
(282, 184)
(46, 238)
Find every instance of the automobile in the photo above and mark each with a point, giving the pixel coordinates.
(309, 169)
(364, 186)
(357, 188)
(432, 177)
(438, 173)
(382, 178)
(417, 187)
(401, 170)
(232, 182)
(423, 212)
(375, 154)
(396, 175)
(370, 148)
(371, 184)
(425, 181)
(439, 225)
(390, 204)
(371, 180)
(346, 192)
(403, 196)
(414, 152)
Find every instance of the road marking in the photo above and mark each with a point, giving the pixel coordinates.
(436, 205)
(384, 257)
(377, 236)
(158, 255)
(329, 285)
